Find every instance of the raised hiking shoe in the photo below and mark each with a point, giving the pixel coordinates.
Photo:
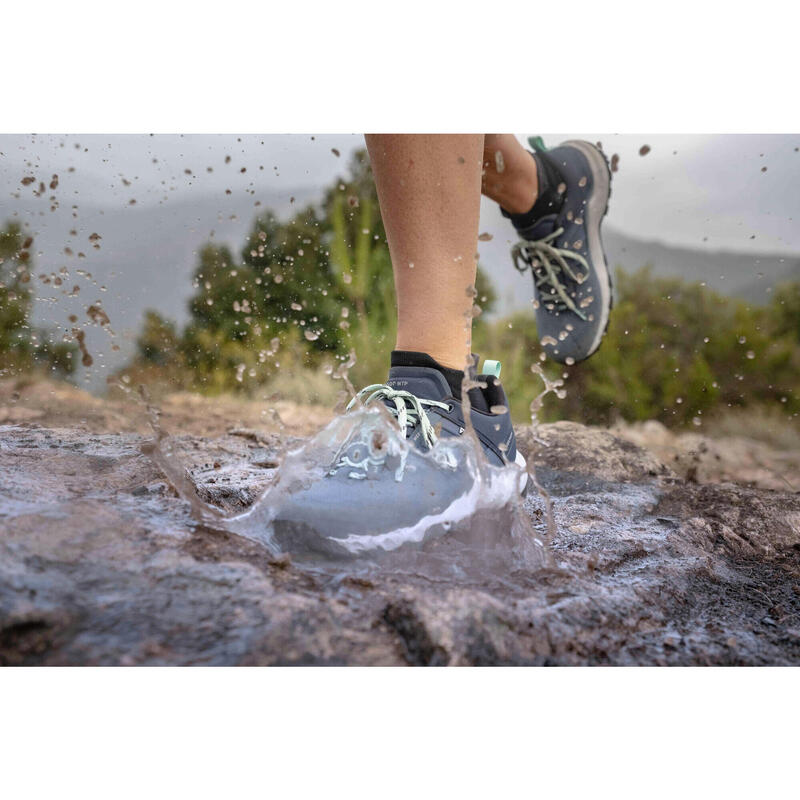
(395, 478)
(561, 245)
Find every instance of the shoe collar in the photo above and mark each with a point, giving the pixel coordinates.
(542, 227)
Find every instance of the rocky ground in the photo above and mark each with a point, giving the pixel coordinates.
(668, 551)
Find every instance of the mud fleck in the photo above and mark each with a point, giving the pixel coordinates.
(97, 314)
(80, 337)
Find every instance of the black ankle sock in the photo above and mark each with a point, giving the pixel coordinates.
(454, 377)
(548, 200)
(411, 358)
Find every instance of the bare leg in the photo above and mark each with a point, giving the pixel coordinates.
(429, 189)
(510, 176)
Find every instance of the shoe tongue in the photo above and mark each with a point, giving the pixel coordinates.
(540, 228)
(425, 382)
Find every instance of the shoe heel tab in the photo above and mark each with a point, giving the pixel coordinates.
(537, 143)
(491, 368)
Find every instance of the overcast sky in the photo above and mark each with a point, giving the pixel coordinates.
(691, 190)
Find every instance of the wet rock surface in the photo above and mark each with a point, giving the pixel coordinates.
(102, 563)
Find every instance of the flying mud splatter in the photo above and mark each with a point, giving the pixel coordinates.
(80, 337)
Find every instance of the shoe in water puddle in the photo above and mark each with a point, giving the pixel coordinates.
(399, 470)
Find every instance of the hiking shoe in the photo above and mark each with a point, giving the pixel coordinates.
(395, 479)
(563, 250)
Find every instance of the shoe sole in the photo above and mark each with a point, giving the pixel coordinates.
(524, 479)
(596, 209)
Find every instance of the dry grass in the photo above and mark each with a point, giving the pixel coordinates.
(769, 426)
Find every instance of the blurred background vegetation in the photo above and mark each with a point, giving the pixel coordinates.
(24, 348)
(285, 315)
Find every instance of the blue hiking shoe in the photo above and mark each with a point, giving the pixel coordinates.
(562, 247)
(394, 478)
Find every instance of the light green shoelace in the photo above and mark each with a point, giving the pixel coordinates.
(407, 409)
(553, 260)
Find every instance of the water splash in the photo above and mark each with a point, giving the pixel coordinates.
(554, 387)
(359, 491)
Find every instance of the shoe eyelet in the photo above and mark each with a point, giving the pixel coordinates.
(450, 408)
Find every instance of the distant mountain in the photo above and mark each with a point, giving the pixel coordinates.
(744, 275)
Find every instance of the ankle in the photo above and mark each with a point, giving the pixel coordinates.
(517, 196)
(549, 199)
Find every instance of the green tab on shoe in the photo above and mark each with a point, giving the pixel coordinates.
(491, 368)
(537, 143)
